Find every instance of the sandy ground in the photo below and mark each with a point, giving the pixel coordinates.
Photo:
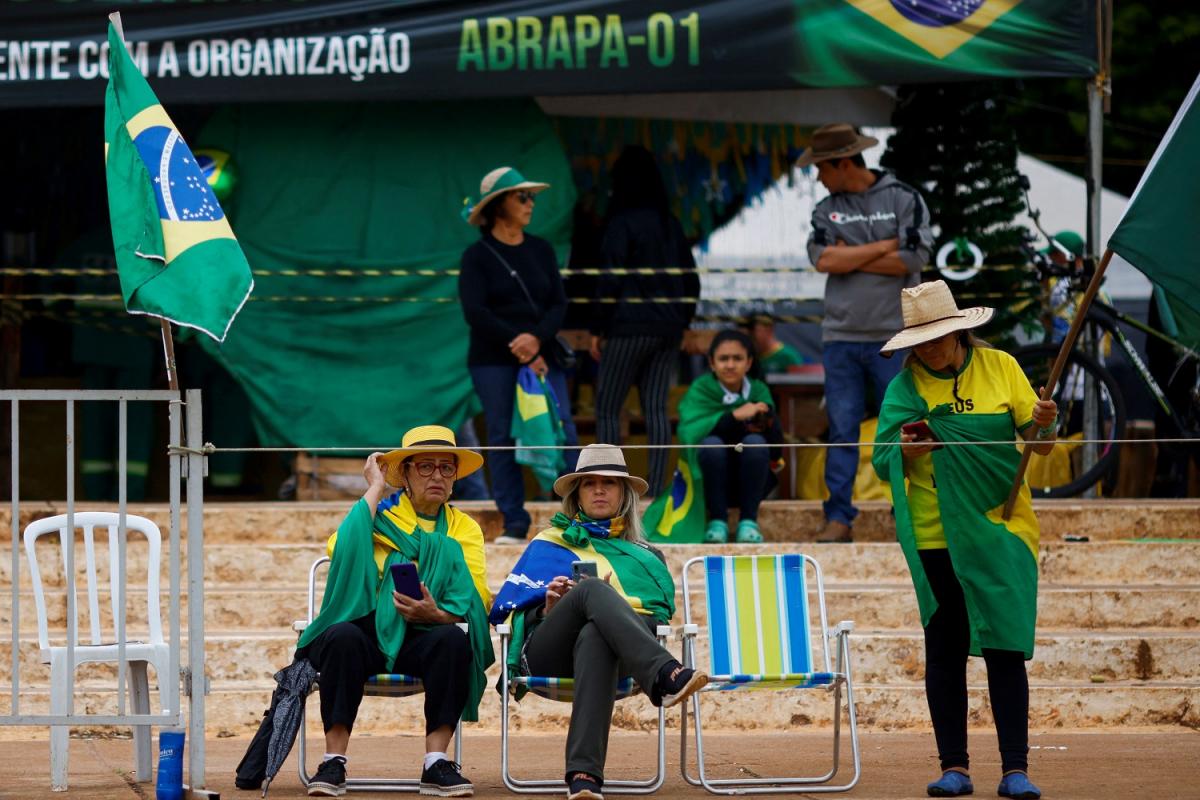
(1160, 763)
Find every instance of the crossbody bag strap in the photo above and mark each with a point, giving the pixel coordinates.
(515, 277)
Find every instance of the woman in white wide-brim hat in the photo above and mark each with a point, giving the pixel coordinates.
(598, 628)
(975, 573)
(514, 302)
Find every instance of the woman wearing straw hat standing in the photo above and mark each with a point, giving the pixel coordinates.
(594, 629)
(366, 628)
(514, 302)
(975, 574)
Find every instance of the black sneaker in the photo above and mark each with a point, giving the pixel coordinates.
(582, 786)
(675, 684)
(330, 780)
(444, 779)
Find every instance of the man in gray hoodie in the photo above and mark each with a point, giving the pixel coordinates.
(871, 237)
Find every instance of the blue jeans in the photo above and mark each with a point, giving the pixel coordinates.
(742, 476)
(496, 385)
(848, 368)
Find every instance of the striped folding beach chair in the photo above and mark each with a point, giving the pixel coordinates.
(385, 685)
(563, 690)
(760, 636)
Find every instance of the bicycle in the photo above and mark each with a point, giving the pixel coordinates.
(1085, 378)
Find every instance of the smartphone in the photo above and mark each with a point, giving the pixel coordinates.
(921, 430)
(406, 581)
(583, 569)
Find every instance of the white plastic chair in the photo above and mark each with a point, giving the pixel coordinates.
(102, 644)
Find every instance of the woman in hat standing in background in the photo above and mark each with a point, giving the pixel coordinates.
(598, 628)
(513, 300)
(975, 573)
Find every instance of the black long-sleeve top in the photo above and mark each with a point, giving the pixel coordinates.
(492, 301)
(639, 238)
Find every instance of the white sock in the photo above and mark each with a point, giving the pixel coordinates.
(335, 755)
(433, 758)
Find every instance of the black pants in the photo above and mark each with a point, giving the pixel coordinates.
(594, 636)
(347, 654)
(648, 361)
(947, 642)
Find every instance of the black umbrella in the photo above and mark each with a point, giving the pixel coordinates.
(294, 684)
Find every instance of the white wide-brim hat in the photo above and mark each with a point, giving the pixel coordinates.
(929, 313)
(599, 459)
(494, 184)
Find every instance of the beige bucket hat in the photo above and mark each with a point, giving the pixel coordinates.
(838, 140)
(494, 184)
(930, 312)
(599, 459)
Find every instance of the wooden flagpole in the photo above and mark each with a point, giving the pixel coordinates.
(1059, 363)
(169, 353)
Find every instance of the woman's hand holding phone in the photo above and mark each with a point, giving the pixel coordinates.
(917, 432)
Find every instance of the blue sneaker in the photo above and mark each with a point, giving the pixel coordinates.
(1018, 785)
(952, 784)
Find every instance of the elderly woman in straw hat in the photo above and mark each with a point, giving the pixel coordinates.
(975, 573)
(593, 629)
(366, 627)
(514, 303)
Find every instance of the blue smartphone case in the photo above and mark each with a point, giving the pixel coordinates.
(406, 581)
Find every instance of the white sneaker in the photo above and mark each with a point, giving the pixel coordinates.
(509, 540)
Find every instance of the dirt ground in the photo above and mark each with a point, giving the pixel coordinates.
(1159, 763)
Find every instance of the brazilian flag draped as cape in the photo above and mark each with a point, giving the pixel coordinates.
(678, 515)
(356, 587)
(995, 561)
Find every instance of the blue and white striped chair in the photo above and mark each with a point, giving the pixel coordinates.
(384, 685)
(563, 690)
(760, 637)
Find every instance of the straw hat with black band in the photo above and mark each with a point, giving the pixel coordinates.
(930, 313)
(431, 439)
(599, 459)
(838, 140)
(494, 184)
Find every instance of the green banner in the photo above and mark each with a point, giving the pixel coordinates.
(54, 53)
(353, 334)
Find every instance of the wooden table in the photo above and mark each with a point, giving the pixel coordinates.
(788, 388)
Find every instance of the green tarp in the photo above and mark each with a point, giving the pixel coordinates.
(357, 355)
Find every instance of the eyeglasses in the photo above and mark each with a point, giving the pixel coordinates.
(426, 468)
(524, 197)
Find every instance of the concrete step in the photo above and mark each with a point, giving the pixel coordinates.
(878, 657)
(1060, 705)
(879, 606)
(1088, 563)
(781, 520)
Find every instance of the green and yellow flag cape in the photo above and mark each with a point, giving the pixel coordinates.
(678, 515)
(356, 587)
(995, 561)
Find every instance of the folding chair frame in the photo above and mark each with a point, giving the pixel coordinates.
(556, 786)
(839, 637)
(357, 784)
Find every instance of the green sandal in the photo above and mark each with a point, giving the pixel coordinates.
(748, 532)
(717, 532)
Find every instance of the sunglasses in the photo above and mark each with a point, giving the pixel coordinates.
(427, 468)
(524, 196)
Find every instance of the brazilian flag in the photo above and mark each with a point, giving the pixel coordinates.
(177, 257)
(535, 423)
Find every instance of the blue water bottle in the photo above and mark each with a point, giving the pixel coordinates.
(169, 785)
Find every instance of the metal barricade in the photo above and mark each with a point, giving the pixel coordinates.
(186, 461)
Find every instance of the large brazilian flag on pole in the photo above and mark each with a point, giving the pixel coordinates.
(177, 257)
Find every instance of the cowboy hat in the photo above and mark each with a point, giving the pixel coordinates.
(838, 140)
(929, 313)
(599, 459)
(428, 439)
(494, 184)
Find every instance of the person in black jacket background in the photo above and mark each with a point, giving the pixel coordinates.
(636, 339)
(513, 300)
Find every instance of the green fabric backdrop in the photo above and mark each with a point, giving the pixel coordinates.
(360, 187)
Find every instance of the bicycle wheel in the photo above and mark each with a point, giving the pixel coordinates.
(1062, 474)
